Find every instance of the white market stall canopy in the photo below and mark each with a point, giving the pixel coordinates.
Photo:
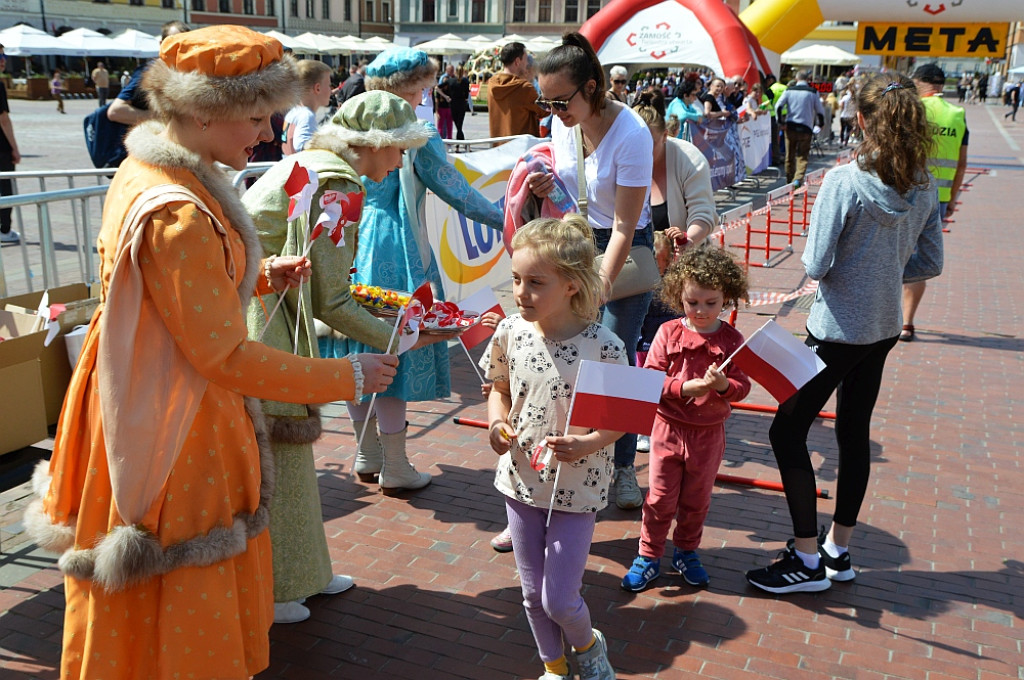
(314, 43)
(449, 43)
(143, 45)
(25, 41)
(820, 55)
(377, 44)
(89, 43)
(350, 44)
(287, 41)
(542, 44)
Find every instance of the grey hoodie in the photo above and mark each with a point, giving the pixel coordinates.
(865, 240)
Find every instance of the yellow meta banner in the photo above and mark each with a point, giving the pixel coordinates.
(933, 40)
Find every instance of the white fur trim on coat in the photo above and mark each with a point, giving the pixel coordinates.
(190, 93)
(129, 554)
(338, 138)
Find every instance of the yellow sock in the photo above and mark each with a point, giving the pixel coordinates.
(559, 666)
(580, 650)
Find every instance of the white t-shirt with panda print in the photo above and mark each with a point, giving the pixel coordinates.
(541, 374)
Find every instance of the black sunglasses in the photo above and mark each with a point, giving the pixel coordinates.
(558, 104)
(619, 82)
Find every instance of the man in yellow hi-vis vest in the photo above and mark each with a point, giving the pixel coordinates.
(947, 164)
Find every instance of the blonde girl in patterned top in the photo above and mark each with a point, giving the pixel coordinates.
(533, 360)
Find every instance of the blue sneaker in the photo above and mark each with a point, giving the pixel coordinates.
(643, 571)
(688, 564)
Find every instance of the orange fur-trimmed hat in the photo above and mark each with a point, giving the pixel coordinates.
(220, 72)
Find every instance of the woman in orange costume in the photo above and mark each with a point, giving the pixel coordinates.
(157, 492)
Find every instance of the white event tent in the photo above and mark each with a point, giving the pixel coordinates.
(25, 41)
(89, 43)
(143, 45)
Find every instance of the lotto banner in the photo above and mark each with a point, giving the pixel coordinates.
(756, 142)
(470, 255)
(719, 141)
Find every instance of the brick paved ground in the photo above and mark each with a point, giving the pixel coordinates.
(939, 551)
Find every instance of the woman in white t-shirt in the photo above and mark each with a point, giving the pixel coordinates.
(618, 152)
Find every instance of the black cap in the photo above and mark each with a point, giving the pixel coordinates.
(931, 74)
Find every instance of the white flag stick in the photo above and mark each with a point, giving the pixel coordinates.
(298, 322)
(298, 309)
(266, 325)
(373, 397)
(558, 468)
(551, 505)
(473, 363)
(280, 298)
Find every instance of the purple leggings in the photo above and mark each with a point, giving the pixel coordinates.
(551, 562)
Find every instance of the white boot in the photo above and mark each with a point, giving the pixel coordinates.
(370, 456)
(290, 612)
(398, 474)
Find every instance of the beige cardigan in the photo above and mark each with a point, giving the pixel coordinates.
(688, 186)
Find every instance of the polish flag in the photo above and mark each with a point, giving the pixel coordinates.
(480, 302)
(411, 319)
(300, 186)
(337, 210)
(776, 359)
(616, 397)
(542, 456)
(425, 295)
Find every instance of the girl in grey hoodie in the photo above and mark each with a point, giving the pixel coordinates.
(875, 225)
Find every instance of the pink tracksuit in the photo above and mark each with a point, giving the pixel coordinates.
(688, 441)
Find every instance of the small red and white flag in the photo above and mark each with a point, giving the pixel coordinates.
(411, 320)
(480, 302)
(412, 317)
(337, 210)
(616, 397)
(776, 359)
(542, 456)
(300, 187)
(425, 295)
(48, 317)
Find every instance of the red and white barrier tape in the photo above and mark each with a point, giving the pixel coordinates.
(759, 299)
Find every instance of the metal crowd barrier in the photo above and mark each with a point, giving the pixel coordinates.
(466, 145)
(45, 240)
(52, 205)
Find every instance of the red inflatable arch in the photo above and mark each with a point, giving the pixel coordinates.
(672, 32)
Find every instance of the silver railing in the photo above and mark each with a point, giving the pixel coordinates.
(51, 255)
(252, 170)
(58, 246)
(456, 146)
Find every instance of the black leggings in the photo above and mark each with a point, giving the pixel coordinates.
(458, 116)
(847, 127)
(854, 372)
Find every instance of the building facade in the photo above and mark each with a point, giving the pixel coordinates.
(365, 18)
(106, 16)
(420, 20)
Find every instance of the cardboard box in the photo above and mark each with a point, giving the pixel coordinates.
(55, 369)
(23, 415)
